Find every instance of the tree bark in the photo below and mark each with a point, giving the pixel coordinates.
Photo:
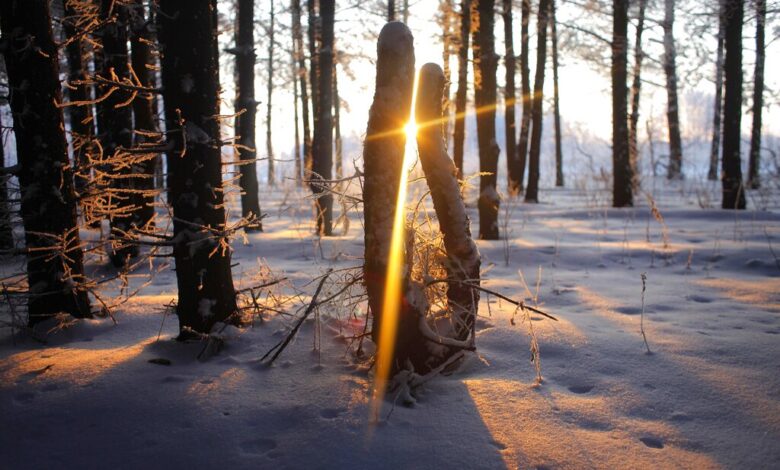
(303, 85)
(622, 179)
(463, 259)
(55, 268)
(485, 64)
(6, 229)
(447, 23)
(556, 98)
(717, 109)
(525, 80)
(82, 126)
(512, 165)
(532, 191)
(459, 134)
(117, 133)
(246, 122)
(636, 88)
(269, 148)
(297, 124)
(323, 126)
(383, 155)
(731, 171)
(143, 111)
(754, 181)
(672, 106)
(390, 10)
(314, 72)
(190, 76)
(337, 123)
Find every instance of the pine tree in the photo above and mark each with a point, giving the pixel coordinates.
(731, 170)
(525, 80)
(512, 166)
(323, 126)
(459, 133)
(532, 191)
(622, 190)
(758, 97)
(672, 106)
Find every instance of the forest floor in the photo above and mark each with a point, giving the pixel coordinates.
(707, 397)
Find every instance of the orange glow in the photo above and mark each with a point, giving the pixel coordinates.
(391, 304)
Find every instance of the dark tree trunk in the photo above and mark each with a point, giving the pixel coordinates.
(731, 171)
(532, 191)
(459, 133)
(672, 106)
(246, 122)
(525, 79)
(758, 98)
(485, 64)
(6, 229)
(323, 126)
(390, 10)
(313, 33)
(337, 123)
(447, 23)
(269, 99)
(636, 88)
(143, 108)
(622, 179)
(81, 123)
(717, 109)
(383, 155)
(48, 207)
(117, 132)
(303, 84)
(205, 283)
(556, 98)
(512, 166)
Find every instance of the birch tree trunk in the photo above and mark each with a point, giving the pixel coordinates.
(636, 88)
(622, 190)
(485, 64)
(731, 170)
(512, 165)
(717, 109)
(532, 191)
(556, 98)
(754, 181)
(55, 268)
(203, 275)
(672, 106)
(525, 80)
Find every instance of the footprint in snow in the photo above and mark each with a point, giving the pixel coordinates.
(258, 446)
(699, 298)
(580, 389)
(331, 413)
(652, 442)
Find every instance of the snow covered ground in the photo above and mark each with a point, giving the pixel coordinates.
(707, 397)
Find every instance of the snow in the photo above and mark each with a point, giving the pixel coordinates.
(707, 397)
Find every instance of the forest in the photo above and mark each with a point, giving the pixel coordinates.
(389, 234)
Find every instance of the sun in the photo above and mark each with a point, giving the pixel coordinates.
(411, 130)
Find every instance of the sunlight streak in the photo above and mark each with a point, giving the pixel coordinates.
(391, 305)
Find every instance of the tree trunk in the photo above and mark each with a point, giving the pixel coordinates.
(636, 87)
(314, 72)
(622, 178)
(459, 134)
(525, 79)
(296, 122)
(55, 268)
(246, 122)
(143, 111)
(512, 167)
(717, 109)
(117, 134)
(485, 64)
(463, 260)
(303, 85)
(672, 107)
(758, 98)
(82, 129)
(447, 12)
(383, 155)
(269, 148)
(556, 98)
(337, 123)
(323, 126)
(532, 191)
(6, 229)
(731, 171)
(390, 10)
(205, 282)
